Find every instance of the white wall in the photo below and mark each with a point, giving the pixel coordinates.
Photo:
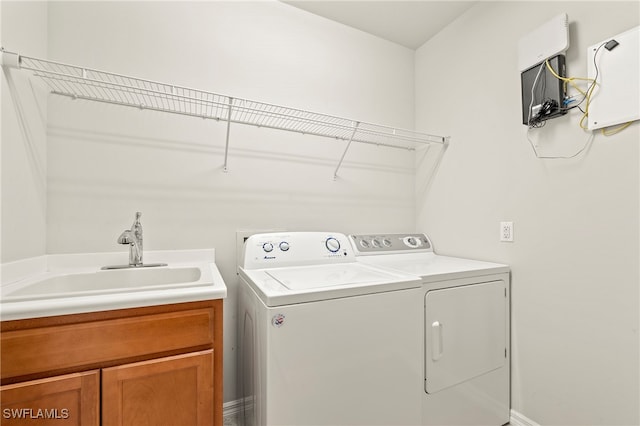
(575, 257)
(23, 123)
(105, 162)
(575, 273)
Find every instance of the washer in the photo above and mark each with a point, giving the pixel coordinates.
(324, 339)
(465, 357)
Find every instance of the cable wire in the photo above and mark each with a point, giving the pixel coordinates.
(533, 88)
(586, 96)
(568, 80)
(611, 132)
(538, 125)
(591, 89)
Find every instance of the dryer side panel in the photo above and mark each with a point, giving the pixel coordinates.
(465, 333)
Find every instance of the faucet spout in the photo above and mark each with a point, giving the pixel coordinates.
(125, 237)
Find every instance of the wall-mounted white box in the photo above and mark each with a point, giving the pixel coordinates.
(548, 40)
(616, 96)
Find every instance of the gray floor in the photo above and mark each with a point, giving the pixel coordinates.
(231, 420)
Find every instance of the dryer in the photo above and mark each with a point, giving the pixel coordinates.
(464, 330)
(324, 339)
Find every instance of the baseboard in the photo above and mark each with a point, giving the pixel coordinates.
(232, 408)
(518, 419)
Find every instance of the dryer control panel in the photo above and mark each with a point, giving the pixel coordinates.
(275, 250)
(390, 243)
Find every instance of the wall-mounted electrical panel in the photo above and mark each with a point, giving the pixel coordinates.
(543, 94)
(615, 65)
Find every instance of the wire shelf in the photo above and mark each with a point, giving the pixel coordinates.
(85, 83)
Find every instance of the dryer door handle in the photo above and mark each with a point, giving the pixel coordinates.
(437, 344)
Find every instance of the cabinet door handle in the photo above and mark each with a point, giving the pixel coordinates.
(436, 341)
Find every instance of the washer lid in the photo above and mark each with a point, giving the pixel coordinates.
(310, 277)
(285, 286)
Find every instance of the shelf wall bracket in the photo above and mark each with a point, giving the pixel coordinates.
(226, 146)
(353, 133)
(8, 59)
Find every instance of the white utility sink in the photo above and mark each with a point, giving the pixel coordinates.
(66, 284)
(107, 281)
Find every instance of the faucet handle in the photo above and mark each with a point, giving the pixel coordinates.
(136, 221)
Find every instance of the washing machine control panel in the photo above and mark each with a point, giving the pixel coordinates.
(389, 243)
(271, 250)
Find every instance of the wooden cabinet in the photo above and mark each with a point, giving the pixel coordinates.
(154, 365)
(72, 399)
(127, 389)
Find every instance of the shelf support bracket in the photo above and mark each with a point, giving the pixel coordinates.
(226, 146)
(355, 129)
(8, 59)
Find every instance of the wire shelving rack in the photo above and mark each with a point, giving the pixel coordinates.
(101, 86)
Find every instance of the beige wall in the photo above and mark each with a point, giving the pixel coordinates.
(106, 162)
(23, 125)
(575, 257)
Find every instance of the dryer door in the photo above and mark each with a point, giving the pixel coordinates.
(465, 333)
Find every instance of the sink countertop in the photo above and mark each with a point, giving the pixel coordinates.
(21, 273)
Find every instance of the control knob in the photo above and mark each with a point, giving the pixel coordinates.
(412, 242)
(332, 244)
(267, 247)
(284, 246)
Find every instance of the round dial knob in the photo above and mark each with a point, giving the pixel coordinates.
(284, 246)
(332, 244)
(268, 247)
(412, 242)
(364, 243)
(386, 242)
(376, 243)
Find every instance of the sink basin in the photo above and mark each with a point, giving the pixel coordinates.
(63, 284)
(106, 281)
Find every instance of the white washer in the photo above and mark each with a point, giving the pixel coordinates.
(324, 339)
(464, 328)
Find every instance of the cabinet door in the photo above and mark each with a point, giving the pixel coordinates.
(72, 399)
(176, 390)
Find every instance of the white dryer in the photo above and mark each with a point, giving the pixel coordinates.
(324, 339)
(464, 333)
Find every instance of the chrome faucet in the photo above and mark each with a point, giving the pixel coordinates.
(133, 237)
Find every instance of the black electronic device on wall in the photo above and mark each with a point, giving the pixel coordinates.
(548, 92)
